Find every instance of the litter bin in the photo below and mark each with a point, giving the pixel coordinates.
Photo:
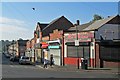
(84, 64)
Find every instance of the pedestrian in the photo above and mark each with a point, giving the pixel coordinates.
(51, 60)
(45, 63)
(45, 59)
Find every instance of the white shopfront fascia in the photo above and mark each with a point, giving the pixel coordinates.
(54, 41)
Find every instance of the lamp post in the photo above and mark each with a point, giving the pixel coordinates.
(77, 43)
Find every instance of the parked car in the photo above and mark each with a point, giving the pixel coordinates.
(14, 58)
(24, 60)
(7, 55)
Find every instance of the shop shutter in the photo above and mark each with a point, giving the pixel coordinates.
(110, 53)
(72, 51)
(56, 56)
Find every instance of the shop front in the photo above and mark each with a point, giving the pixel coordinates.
(73, 53)
(37, 53)
(109, 53)
(44, 51)
(55, 49)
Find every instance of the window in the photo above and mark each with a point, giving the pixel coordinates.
(38, 34)
(72, 51)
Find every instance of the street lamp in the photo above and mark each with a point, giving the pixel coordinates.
(77, 43)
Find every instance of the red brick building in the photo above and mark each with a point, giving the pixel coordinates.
(21, 47)
(99, 42)
(46, 32)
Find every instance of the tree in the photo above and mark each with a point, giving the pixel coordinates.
(96, 17)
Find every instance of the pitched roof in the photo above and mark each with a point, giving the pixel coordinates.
(42, 26)
(60, 23)
(80, 27)
(99, 23)
(22, 42)
(52, 23)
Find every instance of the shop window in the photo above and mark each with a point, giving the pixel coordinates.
(82, 52)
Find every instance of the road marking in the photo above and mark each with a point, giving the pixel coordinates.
(40, 66)
(11, 66)
(22, 66)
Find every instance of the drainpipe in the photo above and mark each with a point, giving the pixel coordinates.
(63, 47)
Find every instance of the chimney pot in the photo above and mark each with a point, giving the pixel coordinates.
(78, 22)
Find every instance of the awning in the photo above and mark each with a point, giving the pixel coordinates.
(44, 45)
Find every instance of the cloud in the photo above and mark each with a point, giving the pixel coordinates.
(4, 20)
(14, 29)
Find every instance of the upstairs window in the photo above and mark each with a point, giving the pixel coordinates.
(38, 34)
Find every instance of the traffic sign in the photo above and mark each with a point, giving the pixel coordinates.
(76, 42)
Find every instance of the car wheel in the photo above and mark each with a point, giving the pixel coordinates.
(20, 63)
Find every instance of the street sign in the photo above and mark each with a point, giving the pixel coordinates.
(76, 42)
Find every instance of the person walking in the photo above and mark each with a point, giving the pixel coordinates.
(45, 63)
(45, 59)
(51, 60)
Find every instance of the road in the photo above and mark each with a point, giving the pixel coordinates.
(14, 70)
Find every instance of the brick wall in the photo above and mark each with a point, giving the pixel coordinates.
(111, 64)
(46, 38)
(56, 34)
(97, 60)
(32, 43)
(72, 61)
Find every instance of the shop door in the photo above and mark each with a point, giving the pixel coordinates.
(86, 53)
(38, 55)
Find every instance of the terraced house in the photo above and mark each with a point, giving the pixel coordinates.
(98, 42)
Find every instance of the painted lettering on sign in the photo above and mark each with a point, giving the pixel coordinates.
(82, 37)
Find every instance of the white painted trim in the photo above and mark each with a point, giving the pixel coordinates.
(65, 51)
(54, 41)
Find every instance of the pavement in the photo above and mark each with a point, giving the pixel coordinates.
(14, 70)
(71, 68)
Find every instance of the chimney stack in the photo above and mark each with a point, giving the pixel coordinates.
(78, 22)
(108, 16)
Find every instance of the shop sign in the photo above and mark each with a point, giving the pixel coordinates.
(53, 47)
(82, 37)
(44, 45)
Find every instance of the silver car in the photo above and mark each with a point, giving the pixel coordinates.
(24, 60)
